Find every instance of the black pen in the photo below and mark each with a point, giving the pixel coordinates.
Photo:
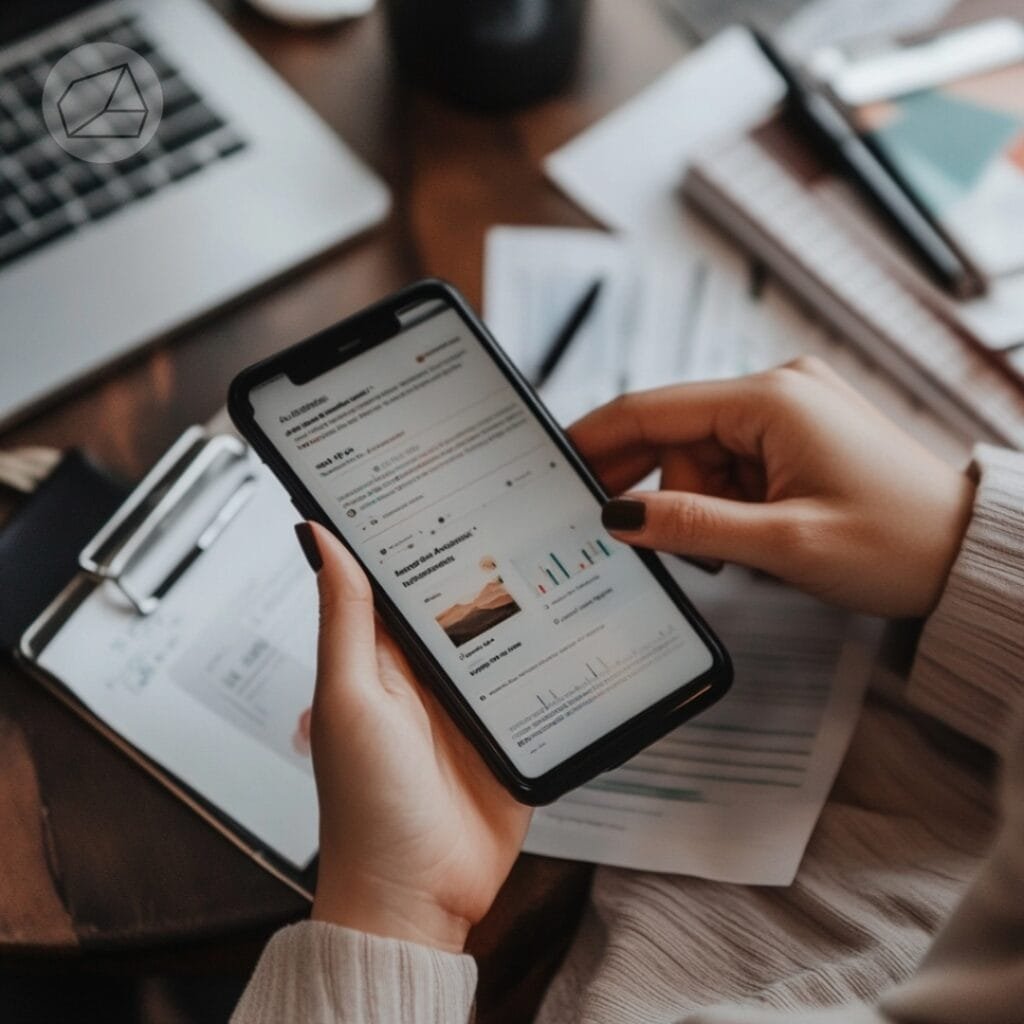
(883, 185)
(567, 332)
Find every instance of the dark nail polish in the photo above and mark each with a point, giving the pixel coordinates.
(309, 546)
(624, 514)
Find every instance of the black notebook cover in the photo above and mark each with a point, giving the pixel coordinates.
(40, 543)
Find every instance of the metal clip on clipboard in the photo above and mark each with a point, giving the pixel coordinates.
(191, 495)
(182, 507)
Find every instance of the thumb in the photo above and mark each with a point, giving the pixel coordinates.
(697, 524)
(346, 651)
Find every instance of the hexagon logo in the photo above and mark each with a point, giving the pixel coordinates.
(102, 102)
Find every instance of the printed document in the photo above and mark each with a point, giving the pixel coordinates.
(734, 794)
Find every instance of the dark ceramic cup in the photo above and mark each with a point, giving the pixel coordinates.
(487, 54)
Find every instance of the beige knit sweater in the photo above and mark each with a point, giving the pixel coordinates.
(853, 940)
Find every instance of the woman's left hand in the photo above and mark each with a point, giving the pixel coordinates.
(416, 834)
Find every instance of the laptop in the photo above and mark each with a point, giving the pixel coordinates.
(152, 168)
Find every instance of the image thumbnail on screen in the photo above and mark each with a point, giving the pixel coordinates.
(477, 608)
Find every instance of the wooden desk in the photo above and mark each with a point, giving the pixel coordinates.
(96, 856)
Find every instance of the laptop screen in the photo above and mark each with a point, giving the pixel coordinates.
(21, 19)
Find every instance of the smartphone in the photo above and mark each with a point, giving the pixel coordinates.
(406, 431)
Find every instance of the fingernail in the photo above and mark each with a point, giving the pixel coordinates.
(309, 546)
(624, 514)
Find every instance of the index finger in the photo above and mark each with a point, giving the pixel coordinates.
(727, 411)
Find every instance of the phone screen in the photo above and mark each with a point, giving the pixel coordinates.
(457, 499)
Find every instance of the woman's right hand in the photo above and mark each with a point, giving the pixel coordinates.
(789, 471)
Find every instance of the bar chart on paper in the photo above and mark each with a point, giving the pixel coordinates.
(560, 558)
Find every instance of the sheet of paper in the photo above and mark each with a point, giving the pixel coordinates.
(639, 333)
(533, 278)
(734, 795)
(683, 269)
(214, 684)
(626, 169)
(673, 316)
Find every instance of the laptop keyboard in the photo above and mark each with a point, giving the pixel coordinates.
(46, 193)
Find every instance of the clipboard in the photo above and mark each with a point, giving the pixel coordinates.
(197, 689)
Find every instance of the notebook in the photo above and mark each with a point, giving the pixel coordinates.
(765, 190)
(187, 638)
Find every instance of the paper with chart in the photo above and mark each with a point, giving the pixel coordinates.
(734, 794)
(215, 685)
